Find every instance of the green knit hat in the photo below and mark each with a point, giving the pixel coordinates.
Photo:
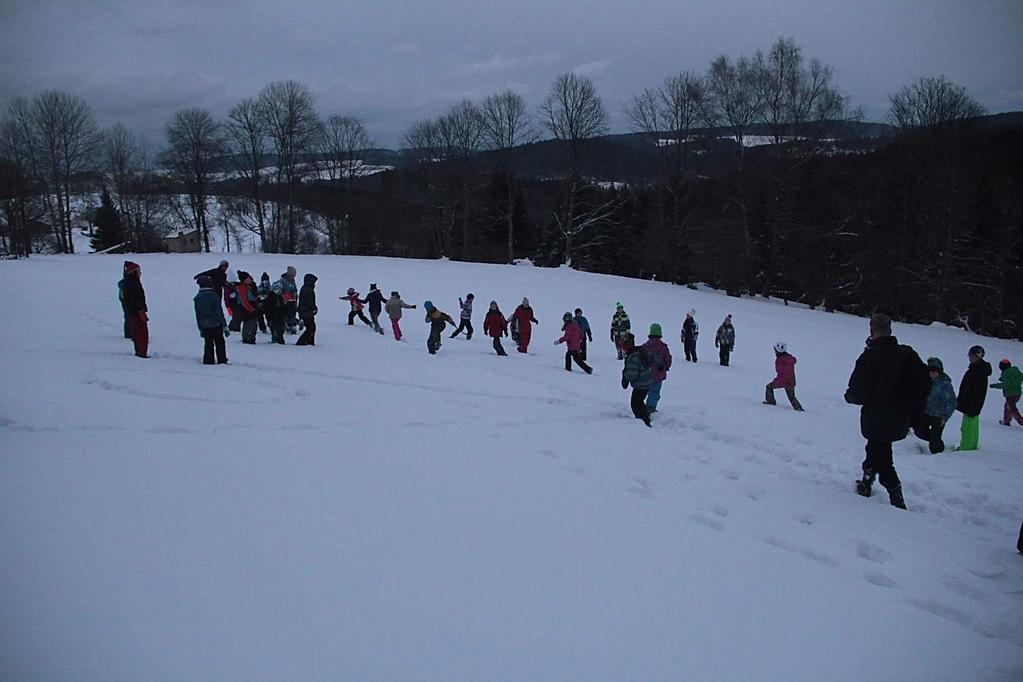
(655, 330)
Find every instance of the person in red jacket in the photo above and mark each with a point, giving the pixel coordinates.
(495, 326)
(785, 377)
(521, 319)
(357, 305)
(246, 306)
(572, 337)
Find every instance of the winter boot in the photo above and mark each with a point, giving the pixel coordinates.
(895, 497)
(864, 485)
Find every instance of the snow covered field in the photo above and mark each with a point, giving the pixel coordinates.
(361, 510)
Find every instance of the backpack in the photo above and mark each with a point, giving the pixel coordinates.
(637, 367)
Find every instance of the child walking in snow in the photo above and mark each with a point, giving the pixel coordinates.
(465, 317)
(495, 326)
(1010, 382)
(437, 320)
(660, 363)
(690, 333)
(572, 337)
(785, 377)
(394, 306)
(375, 300)
(725, 340)
(636, 373)
(620, 326)
(357, 304)
(521, 321)
(307, 310)
(940, 405)
(584, 327)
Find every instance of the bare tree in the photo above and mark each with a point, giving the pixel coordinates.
(734, 98)
(426, 147)
(20, 183)
(121, 161)
(573, 113)
(66, 138)
(796, 99)
(291, 123)
(933, 101)
(343, 143)
(247, 142)
(461, 131)
(506, 126)
(194, 143)
(668, 115)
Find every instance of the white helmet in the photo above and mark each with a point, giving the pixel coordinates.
(781, 347)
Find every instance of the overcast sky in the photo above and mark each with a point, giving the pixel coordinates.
(394, 62)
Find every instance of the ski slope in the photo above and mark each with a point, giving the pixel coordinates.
(360, 510)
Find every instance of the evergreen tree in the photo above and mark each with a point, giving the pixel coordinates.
(109, 231)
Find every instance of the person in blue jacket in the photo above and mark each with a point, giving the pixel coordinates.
(939, 408)
(584, 327)
(209, 317)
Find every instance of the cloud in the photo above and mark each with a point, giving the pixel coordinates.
(594, 68)
(498, 62)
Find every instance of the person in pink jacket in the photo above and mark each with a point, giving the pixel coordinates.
(572, 337)
(785, 377)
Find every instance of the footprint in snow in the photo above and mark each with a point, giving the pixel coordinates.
(881, 580)
(642, 488)
(943, 611)
(804, 552)
(873, 553)
(707, 521)
(578, 471)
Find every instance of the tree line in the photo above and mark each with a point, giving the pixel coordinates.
(927, 225)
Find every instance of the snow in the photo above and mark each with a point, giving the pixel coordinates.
(362, 510)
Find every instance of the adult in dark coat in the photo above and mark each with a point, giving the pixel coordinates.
(135, 308)
(218, 277)
(891, 383)
(209, 317)
(307, 310)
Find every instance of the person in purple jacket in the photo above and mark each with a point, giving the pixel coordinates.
(660, 363)
(785, 377)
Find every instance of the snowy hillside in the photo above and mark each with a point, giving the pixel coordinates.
(360, 510)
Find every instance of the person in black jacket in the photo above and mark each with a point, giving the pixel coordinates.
(135, 308)
(307, 310)
(972, 392)
(218, 277)
(891, 383)
(375, 300)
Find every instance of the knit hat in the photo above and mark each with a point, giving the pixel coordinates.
(655, 330)
(935, 364)
(130, 267)
(627, 341)
(978, 351)
(204, 282)
(395, 293)
(566, 317)
(292, 271)
(372, 286)
(781, 347)
(264, 278)
(691, 312)
(1003, 363)
(428, 305)
(470, 296)
(351, 290)
(223, 264)
(619, 305)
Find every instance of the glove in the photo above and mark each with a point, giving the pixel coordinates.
(994, 386)
(227, 332)
(625, 382)
(144, 316)
(557, 343)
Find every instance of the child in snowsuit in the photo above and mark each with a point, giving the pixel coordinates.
(972, 392)
(785, 377)
(394, 306)
(246, 306)
(660, 363)
(495, 326)
(124, 309)
(725, 340)
(437, 320)
(262, 293)
(572, 337)
(520, 321)
(375, 301)
(465, 317)
(584, 327)
(690, 332)
(307, 310)
(273, 307)
(620, 326)
(135, 308)
(636, 373)
(289, 297)
(357, 303)
(940, 405)
(209, 317)
(1010, 383)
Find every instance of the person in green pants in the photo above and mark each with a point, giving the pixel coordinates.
(972, 392)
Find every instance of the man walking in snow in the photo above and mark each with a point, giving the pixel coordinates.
(890, 382)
